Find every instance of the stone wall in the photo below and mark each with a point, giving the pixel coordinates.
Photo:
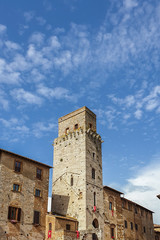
(24, 199)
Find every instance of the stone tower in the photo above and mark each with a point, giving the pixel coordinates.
(77, 175)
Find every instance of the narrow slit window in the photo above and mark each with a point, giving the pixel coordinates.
(94, 195)
(110, 205)
(36, 217)
(93, 173)
(71, 180)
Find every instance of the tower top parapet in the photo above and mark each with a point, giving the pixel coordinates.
(81, 118)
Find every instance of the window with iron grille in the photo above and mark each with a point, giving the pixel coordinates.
(36, 219)
(17, 166)
(14, 213)
(39, 173)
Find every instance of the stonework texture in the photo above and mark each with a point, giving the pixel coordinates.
(77, 177)
(23, 199)
(129, 220)
(56, 227)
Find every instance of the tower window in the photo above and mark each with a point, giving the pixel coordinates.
(67, 130)
(93, 155)
(93, 173)
(71, 180)
(131, 226)
(112, 232)
(94, 199)
(136, 227)
(144, 229)
(90, 125)
(76, 126)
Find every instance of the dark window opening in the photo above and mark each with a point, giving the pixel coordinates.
(90, 125)
(71, 180)
(68, 227)
(110, 205)
(16, 187)
(112, 232)
(94, 195)
(39, 173)
(38, 193)
(144, 229)
(125, 224)
(94, 236)
(131, 226)
(17, 166)
(76, 126)
(50, 226)
(93, 173)
(14, 214)
(95, 223)
(36, 217)
(93, 155)
(136, 227)
(136, 210)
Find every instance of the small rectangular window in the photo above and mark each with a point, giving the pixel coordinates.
(68, 227)
(90, 125)
(112, 232)
(136, 227)
(37, 193)
(125, 224)
(16, 187)
(76, 126)
(36, 217)
(131, 226)
(39, 173)
(144, 229)
(93, 155)
(93, 173)
(17, 166)
(110, 205)
(14, 213)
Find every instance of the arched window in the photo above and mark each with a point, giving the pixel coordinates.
(95, 223)
(71, 180)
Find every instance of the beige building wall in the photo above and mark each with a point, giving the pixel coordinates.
(129, 220)
(77, 153)
(24, 199)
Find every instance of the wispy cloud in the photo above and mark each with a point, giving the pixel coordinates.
(144, 186)
(23, 97)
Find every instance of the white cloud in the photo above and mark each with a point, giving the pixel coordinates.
(12, 45)
(37, 38)
(144, 187)
(41, 20)
(41, 128)
(3, 28)
(130, 3)
(138, 114)
(29, 15)
(23, 96)
(57, 93)
(3, 101)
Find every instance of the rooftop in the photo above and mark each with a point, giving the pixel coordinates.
(26, 158)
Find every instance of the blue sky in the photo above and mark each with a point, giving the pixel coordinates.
(57, 56)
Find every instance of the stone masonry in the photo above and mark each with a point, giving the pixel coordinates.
(77, 178)
(22, 193)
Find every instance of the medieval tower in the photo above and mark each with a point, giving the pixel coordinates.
(77, 173)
